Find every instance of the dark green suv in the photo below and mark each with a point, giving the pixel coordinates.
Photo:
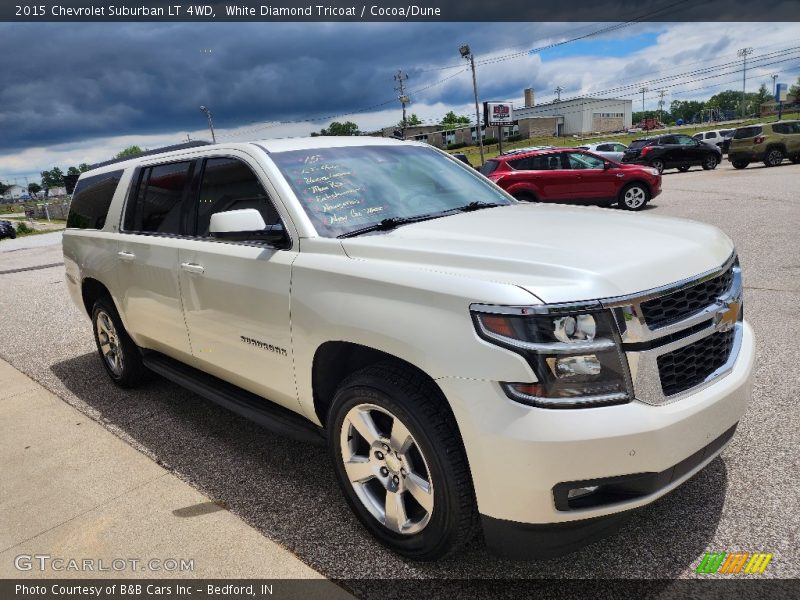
(767, 142)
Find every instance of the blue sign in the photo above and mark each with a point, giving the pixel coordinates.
(780, 92)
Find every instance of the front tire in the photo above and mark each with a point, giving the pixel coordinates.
(774, 157)
(524, 197)
(120, 355)
(710, 162)
(634, 197)
(400, 462)
(658, 165)
(740, 164)
(683, 169)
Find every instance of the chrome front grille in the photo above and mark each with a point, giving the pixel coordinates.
(678, 305)
(680, 338)
(686, 367)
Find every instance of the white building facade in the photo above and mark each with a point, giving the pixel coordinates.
(584, 115)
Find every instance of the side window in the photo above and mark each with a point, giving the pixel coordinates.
(620, 148)
(229, 184)
(698, 136)
(605, 148)
(521, 164)
(584, 161)
(668, 139)
(91, 199)
(711, 135)
(685, 140)
(794, 127)
(158, 203)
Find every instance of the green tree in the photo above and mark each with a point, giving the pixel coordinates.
(83, 167)
(4, 187)
(34, 188)
(411, 121)
(73, 171)
(336, 128)
(129, 151)
(727, 101)
(685, 109)
(451, 121)
(52, 178)
(794, 90)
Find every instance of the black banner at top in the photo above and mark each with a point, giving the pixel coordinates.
(39, 11)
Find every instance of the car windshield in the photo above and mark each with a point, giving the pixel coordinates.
(349, 188)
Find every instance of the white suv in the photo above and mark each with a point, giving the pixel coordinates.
(535, 370)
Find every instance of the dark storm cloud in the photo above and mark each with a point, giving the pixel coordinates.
(62, 83)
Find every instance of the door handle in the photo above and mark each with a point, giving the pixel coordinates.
(123, 255)
(193, 268)
(620, 174)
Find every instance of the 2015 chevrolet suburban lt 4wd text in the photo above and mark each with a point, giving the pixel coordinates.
(535, 371)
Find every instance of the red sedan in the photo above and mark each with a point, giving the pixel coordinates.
(571, 175)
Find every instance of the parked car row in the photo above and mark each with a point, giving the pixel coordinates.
(672, 151)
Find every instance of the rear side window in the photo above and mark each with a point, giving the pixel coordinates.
(91, 199)
(636, 144)
(229, 184)
(747, 132)
(489, 167)
(158, 203)
(711, 135)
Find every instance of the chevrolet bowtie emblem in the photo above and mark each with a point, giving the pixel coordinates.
(726, 319)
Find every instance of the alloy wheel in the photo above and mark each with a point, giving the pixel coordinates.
(774, 158)
(658, 165)
(109, 342)
(387, 469)
(634, 197)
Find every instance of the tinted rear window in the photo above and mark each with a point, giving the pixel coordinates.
(91, 199)
(157, 206)
(747, 132)
(489, 167)
(636, 144)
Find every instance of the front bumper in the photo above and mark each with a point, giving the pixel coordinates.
(518, 454)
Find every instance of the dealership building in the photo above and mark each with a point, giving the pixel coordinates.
(580, 115)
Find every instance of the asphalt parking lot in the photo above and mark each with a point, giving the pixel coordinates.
(746, 500)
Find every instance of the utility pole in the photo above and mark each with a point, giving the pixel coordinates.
(661, 93)
(466, 53)
(774, 81)
(642, 91)
(558, 91)
(400, 78)
(210, 122)
(744, 52)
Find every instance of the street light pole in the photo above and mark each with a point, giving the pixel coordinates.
(774, 81)
(643, 91)
(210, 122)
(743, 52)
(467, 54)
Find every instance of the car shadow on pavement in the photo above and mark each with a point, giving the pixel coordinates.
(287, 490)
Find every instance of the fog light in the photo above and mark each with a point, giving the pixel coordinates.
(575, 366)
(581, 492)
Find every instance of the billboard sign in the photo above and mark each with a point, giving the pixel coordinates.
(498, 113)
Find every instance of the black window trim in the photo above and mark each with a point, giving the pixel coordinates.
(133, 192)
(198, 178)
(106, 222)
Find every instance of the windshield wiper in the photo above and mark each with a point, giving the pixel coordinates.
(390, 223)
(394, 222)
(477, 206)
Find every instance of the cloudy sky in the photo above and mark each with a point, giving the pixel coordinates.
(81, 92)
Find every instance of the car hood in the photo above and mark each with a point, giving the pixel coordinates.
(558, 253)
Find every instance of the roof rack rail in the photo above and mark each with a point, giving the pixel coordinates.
(183, 146)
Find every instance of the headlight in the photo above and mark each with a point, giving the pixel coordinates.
(575, 354)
